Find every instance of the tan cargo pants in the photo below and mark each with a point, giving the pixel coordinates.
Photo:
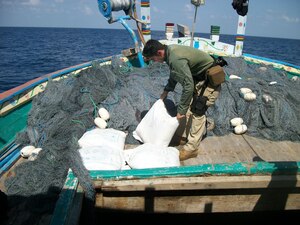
(193, 127)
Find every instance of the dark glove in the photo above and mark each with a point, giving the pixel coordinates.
(199, 106)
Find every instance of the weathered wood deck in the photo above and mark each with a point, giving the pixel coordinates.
(243, 148)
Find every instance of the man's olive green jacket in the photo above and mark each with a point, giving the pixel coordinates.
(186, 65)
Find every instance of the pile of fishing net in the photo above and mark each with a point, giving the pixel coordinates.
(61, 115)
(66, 110)
(275, 112)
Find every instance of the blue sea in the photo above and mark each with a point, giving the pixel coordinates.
(27, 53)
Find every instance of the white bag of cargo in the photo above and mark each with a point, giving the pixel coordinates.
(101, 158)
(151, 156)
(102, 149)
(157, 127)
(105, 137)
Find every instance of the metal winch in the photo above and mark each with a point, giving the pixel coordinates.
(106, 7)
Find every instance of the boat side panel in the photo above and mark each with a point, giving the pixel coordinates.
(293, 70)
(206, 201)
(13, 123)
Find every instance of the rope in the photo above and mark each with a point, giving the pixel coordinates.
(126, 69)
(138, 22)
(86, 90)
(42, 140)
(79, 122)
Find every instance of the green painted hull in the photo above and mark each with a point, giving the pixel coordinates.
(13, 123)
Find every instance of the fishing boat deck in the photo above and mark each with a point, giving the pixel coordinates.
(244, 148)
(230, 148)
(234, 148)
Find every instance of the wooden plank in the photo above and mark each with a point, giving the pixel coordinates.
(273, 151)
(201, 202)
(200, 183)
(222, 149)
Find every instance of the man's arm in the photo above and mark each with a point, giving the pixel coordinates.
(182, 74)
(164, 95)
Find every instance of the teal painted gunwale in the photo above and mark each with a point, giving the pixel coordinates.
(271, 60)
(238, 168)
(290, 74)
(64, 203)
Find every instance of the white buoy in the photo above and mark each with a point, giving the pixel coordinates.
(34, 154)
(236, 121)
(245, 90)
(36, 151)
(267, 98)
(27, 150)
(232, 76)
(101, 123)
(262, 68)
(295, 78)
(240, 129)
(103, 113)
(250, 96)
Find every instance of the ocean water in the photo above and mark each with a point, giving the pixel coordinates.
(28, 53)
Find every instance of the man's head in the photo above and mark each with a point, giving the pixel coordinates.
(154, 50)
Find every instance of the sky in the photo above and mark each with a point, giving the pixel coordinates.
(266, 18)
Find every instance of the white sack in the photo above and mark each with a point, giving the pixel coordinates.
(103, 137)
(152, 156)
(102, 149)
(101, 158)
(157, 127)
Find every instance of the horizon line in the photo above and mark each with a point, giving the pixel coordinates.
(136, 30)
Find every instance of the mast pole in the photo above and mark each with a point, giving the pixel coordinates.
(145, 17)
(240, 36)
(193, 28)
(196, 3)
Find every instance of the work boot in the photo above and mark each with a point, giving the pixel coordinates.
(184, 154)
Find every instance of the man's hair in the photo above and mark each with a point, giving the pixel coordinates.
(151, 47)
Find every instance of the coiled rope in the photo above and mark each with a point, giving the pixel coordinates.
(117, 5)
